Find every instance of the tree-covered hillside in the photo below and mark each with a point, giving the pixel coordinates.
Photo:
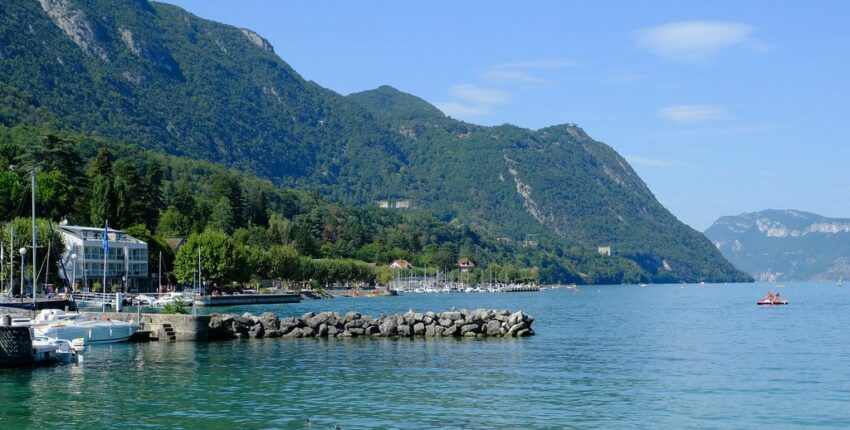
(157, 77)
(268, 232)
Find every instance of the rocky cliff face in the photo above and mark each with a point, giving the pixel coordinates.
(789, 244)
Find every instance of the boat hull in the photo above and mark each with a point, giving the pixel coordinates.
(94, 332)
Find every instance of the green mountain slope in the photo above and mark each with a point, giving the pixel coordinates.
(153, 75)
(779, 245)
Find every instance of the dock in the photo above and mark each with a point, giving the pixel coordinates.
(247, 299)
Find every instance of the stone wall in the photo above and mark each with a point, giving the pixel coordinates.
(15, 346)
(464, 323)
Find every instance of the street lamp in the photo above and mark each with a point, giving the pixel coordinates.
(74, 271)
(23, 252)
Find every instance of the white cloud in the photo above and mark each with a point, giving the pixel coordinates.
(521, 71)
(691, 113)
(480, 96)
(471, 100)
(462, 110)
(548, 63)
(509, 75)
(697, 41)
(652, 162)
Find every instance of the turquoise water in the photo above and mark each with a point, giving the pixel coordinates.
(662, 356)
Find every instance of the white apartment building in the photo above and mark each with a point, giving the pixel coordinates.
(82, 262)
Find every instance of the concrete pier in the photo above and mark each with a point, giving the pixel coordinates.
(247, 299)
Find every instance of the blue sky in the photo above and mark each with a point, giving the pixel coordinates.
(722, 107)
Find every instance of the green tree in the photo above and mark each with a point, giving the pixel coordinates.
(102, 203)
(229, 186)
(173, 223)
(222, 261)
(223, 216)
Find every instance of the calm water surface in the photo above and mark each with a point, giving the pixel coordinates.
(662, 356)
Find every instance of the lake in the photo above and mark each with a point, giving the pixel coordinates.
(660, 356)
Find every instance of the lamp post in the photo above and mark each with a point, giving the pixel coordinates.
(74, 271)
(23, 252)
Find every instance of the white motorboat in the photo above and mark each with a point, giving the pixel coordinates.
(50, 349)
(170, 298)
(72, 325)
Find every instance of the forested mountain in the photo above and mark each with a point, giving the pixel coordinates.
(155, 76)
(778, 245)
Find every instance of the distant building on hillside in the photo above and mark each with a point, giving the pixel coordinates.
(394, 204)
(604, 250)
(465, 264)
(126, 260)
(400, 264)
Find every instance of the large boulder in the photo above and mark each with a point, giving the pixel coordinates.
(468, 328)
(418, 329)
(389, 327)
(270, 321)
(493, 328)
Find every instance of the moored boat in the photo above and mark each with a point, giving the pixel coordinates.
(72, 325)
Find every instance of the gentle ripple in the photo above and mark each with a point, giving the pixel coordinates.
(663, 356)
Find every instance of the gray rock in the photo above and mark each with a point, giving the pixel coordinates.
(419, 329)
(270, 321)
(332, 331)
(469, 328)
(451, 330)
(418, 317)
(409, 317)
(492, 328)
(405, 330)
(323, 330)
(256, 331)
(356, 331)
(296, 332)
(524, 332)
(308, 332)
(307, 316)
(517, 327)
(371, 330)
(358, 323)
(389, 327)
(439, 330)
(452, 316)
(445, 322)
(274, 333)
(430, 329)
(352, 316)
(427, 320)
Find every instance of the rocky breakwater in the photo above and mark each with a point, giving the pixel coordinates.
(477, 323)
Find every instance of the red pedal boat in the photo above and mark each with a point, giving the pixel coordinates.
(772, 299)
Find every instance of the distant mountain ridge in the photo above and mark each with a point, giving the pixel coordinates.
(154, 75)
(777, 245)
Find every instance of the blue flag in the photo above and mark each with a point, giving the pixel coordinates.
(106, 236)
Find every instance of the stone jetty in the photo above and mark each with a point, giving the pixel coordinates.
(463, 323)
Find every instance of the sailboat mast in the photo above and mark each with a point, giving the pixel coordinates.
(34, 238)
(159, 288)
(11, 256)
